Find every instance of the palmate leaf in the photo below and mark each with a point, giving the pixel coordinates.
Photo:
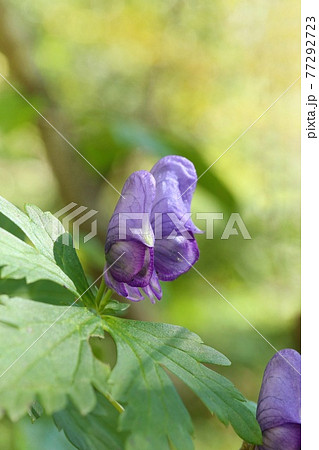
(95, 431)
(49, 259)
(20, 260)
(154, 414)
(59, 365)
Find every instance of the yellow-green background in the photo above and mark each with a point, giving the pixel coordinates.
(127, 77)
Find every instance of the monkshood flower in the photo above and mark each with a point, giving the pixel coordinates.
(164, 247)
(175, 248)
(279, 403)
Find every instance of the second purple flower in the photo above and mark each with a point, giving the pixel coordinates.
(279, 402)
(151, 235)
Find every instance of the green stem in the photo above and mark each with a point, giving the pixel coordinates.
(100, 292)
(113, 402)
(105, 300)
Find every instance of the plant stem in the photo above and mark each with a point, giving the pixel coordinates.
(105, 300)
(100, 293)
(116, 405)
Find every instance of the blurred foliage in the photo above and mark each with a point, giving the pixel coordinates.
(138, 80)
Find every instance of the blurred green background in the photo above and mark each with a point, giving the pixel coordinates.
(130, 81)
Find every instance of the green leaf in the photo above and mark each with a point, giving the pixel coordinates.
(143, 350)
(35, 411)
(49, 259)
(45, 355)
(41, 228)
(10, 226)
(252, 406)
(44, 291)
(95, 431)
(20, 260)
(115, 307)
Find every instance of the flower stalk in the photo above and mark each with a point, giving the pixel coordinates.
(105, 300)
(103, 297)
(100, 293)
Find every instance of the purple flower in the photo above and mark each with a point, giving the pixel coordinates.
(278, 408)
(176, 250)
(163, 247)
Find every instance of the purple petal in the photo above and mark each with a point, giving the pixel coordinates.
(138, 195)
(280, 397)
(124, 290)
(130, 262)
(135, 267)
(173, 176)
(153, 290)
(178, 169)
(173, 257)
(143, 277)
(125, 259)
(285, 437)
